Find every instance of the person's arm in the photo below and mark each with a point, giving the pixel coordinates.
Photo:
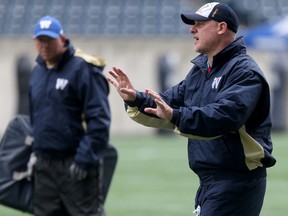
(158, 112)
(232, 107)
(96, 111)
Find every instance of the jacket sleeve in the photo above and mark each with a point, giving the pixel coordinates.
(93, 90)
(232, 107)
(135, 111)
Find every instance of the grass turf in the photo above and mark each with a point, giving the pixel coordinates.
(152, 178)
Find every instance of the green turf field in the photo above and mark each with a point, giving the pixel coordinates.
(153, 178)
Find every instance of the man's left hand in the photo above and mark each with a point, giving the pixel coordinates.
(162, 110)
(77, 172)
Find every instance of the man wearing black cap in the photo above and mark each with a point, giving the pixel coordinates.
(70, 117)
(222, 107)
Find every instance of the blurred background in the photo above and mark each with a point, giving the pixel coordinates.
(146, 38)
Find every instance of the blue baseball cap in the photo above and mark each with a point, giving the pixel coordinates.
(48, 26)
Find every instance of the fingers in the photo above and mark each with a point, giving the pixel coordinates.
(159, 110)
(162, 110)
(118, 74)
(160, 104)
(150, 110)
(158, 100)
(153, 94)
(77, 172)
(114, 73)
(113, 82)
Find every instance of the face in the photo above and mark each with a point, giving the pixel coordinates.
(49, 48)
(206, 37)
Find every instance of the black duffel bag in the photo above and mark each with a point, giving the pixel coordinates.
(16, 188)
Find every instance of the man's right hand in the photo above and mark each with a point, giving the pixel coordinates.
(122, 84)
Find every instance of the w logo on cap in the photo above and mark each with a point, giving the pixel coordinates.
(45, 24)
(48, 26)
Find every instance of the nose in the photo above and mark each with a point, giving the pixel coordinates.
(192, 29)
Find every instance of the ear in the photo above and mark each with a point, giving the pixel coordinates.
(222, 27)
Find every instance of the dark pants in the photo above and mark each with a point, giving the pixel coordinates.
(231, 197)
(57, 194)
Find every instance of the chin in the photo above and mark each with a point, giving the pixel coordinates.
(44, 56)
(196, 49)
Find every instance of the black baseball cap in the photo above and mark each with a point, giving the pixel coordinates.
(219, 12)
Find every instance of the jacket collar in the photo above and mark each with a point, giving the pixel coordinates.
(64, 58)
(235, 48)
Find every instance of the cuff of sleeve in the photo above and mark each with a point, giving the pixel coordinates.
(175, 116)
(137, 101)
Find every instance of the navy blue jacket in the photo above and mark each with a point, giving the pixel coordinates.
(70, 112)
(224, 114)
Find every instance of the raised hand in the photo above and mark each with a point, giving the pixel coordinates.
(122, 84)
(162, 110)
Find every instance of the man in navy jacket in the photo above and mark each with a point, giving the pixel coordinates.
(222, 107)
(70, 116)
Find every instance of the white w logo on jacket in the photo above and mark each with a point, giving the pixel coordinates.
(216, 82)
(61, 83)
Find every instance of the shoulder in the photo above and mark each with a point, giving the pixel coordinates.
(93, 60)
(247, 64)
